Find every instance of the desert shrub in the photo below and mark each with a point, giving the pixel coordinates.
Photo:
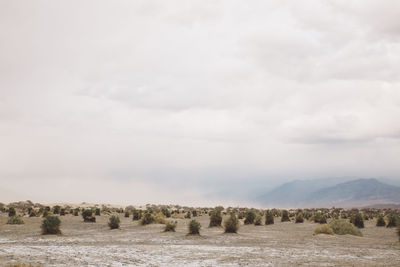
(113, 222)
(299, 218)
(51, 225)
(15, 220)
(136, 215)
(11, 212)
(76, 212)
(62, 212)
(380, 221)
(159, 217)
(97, 212)
(342, 227)
(194, 213)
(398, 229)
(45, 213)
(147, 218)
(322, 219)
(194, 227)
(357, 220)
(231, 225)
(170, 226)
(215, 218)
(127, 214)
(257, 220)
(56, 209)
(250, 217)
(269, 218)
(392, 220)
(32, 213)
(323, 229)
(285, 216)
(166, 212)
(87, 216)
(188, 215)
(241, 215)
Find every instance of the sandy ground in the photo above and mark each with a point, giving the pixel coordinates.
(281, 244)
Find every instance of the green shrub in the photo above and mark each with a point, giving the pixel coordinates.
(166, 212)
(56, 209)
(45, 213)
(170, 226)
(257, 220)
(62, 212)
(87, 216)
(357, 220)
(127, 214)
(97, 212)
(76, 212)
(231, 224)
(299, 218)
(136, 215)
(194, 227)
(113, 222)
(380, 221)
(342, 227)
(398, 229)
(188, 215)
(215, 218)
(392, 220)
(15, 220)
(285, 216)
(194, 213)
(250, 217)
(32, 213)
(11, 212)
(51, 225)
(269, 218)
(323, 229)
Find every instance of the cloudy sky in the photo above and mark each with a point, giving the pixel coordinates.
(187, 102)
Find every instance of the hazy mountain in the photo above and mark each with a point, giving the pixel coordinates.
(331, 192)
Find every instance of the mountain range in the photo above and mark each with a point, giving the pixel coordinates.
(331, 192)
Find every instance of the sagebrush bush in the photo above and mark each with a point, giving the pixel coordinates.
(231, 225)
(257, 220)
(269, 218)
(113, 222)
(170, 226)
(194, 227)
(51, 225)
(398, 229)
(126, 214)
(76, 212)
(56, 209)
(299, 218)
(392, 220)
(166, 212)
(250, 217)
(342, 227)
(285, 216)
(11, 212)
(97, 212)
(62, 212)
(136, 215)
(357, 220)
(380, 221)
(87, 216)
(45, 214)
(32, 213)
(323, 229)
(15, 220)
(215, 218)
(147, 218)
(188, 215)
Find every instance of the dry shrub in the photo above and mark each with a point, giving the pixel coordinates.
(380, 221)
(194, 227)
(51, 225)
(323, 229)
(232, 224)
(342, 227)
(113, 222)
(170, 226)
(15, 220)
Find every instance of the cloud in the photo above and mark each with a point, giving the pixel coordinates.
(183, 97)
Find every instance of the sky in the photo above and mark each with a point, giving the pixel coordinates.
(194, 102)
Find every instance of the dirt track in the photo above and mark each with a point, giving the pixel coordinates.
(281, 244)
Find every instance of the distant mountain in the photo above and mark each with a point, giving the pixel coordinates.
(331, 192)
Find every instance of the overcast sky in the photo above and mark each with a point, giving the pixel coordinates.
(138, 102)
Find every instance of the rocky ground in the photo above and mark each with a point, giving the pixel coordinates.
(281, 244)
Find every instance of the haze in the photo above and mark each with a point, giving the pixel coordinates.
(194, 102)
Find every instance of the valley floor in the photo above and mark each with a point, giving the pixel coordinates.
(281, 244)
